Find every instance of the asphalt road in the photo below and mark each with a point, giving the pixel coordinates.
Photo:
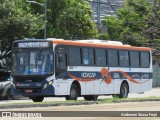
(131, 106)
(139, 106)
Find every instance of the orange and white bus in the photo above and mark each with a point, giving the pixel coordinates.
(88, 68)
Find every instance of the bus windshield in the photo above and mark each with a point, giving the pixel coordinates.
(35, 62)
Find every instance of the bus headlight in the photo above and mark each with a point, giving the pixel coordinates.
(47, 84)
(50, 82)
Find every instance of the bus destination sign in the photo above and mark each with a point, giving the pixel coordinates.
(33, 44)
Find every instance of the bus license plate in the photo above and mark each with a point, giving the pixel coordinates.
(28, 91)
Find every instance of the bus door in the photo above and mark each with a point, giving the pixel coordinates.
(60, 70)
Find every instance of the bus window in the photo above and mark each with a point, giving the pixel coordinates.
(123, 58)
(74, 56)
(112, 58)
(87, 56)
(145, 59)
(100, 55)
(134, 59)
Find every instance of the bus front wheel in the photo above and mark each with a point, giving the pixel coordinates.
(9, 96)
(37, 99)
(73, 93)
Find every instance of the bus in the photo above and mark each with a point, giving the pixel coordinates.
(81, 68)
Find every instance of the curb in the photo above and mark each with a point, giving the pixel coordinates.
(47, 105)
(141, 100)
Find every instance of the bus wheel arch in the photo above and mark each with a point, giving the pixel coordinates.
(75, 91)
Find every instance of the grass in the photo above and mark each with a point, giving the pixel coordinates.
(50, 102)
(100, 101)
(110, 100)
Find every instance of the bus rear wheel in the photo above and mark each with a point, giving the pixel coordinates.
(37, 99)
(73, 93)
(91, 97)
(124, 90)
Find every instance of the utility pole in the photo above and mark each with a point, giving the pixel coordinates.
(45, 14)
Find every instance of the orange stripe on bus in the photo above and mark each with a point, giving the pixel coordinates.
(76, 43)
(106, 76)
(129, 77)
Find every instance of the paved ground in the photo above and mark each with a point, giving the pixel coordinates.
(153, 92)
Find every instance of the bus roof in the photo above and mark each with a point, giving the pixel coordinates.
(100, 45)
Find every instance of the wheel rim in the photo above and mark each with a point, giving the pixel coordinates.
(124, 91)
(73, 93)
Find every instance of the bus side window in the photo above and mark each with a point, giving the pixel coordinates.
(145, 59)
(100, 57)
(112, 58)
(134, 59)
(87, 56)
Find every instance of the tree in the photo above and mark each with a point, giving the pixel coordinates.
(16, 22)
(129, 24)
(70, 19)
(152, 29)
(114, 27)
(67, 19)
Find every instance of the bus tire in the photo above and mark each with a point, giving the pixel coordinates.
(8, 96)
(37, 99)
(73, 93)
(91, 97)
(124, 90)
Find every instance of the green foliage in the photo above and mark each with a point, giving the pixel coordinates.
(137, 23)
(152, 28)
(15, 23)
(114, 27)
(68, 19)
(71, 19)
(103, 36)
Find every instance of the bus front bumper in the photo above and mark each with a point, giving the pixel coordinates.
(31, 92)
